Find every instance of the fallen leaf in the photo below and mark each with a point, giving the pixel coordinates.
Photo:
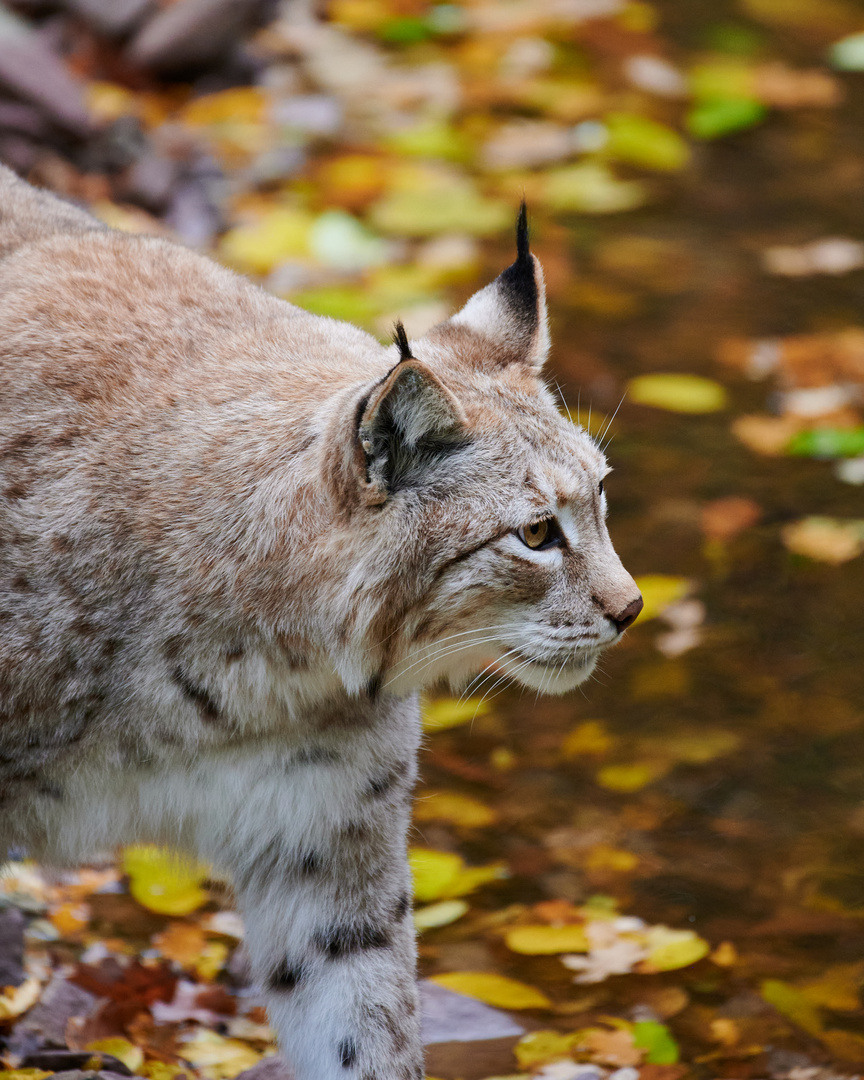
(588, 739)
(494, 989)
(825, 539)
(629, 778)
(591, 188)
(131, 1055)
(670, 949)
(181, 942)
(441, 914)
(443, 875)
(656, 1041)
(722, 519)
(542, 940)
(540, 1047)
(659, 591)
(615, 1048)
(15, 1000)
(216, 1057)
(638, 140)
(792, 1004)
(453, 807)
(165, 882)
(443, 713)
(677, 393)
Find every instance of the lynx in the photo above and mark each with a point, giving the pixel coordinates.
(236, 540)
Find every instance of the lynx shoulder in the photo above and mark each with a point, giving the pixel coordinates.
(235, 540)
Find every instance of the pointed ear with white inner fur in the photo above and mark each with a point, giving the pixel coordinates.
(511, 312)
(410, 422)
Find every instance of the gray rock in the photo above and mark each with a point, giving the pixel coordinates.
(193, 33)
(31, 71)
(113, 18)
(12, 924)
(60, 1001)
(149, 182)
(449, 1017)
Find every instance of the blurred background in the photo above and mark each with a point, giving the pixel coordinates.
(663, 873)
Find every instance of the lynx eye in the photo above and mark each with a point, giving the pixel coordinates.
(539, 534)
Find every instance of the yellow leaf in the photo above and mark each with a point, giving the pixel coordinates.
(162, 1070)
(454, 807)
(216, 1057)
(544, 940)
(472, 877)
(441, 914)
(837, 989)
(131, 1055)
(211, 961)
(792, 1004)
(659, 591)
(588, 738)
(494, 989)
(107, 101)
(605, 857)
(258, 246)
(15, 1000)
(725, 955)
(677, 393)
(846, 1045)
(627, 778)
(543, 1047)
(671, 949)
(241, 104)
(433, 872)
(25, 1074)
(446, 713)
(696, 749)
(165, 882)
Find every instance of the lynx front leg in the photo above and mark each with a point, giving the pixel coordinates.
(325, 893)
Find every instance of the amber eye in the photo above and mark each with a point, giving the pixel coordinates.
(537, 535)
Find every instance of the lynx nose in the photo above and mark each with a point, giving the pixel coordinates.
(628, 616)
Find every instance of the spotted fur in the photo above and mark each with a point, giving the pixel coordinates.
(236, 540)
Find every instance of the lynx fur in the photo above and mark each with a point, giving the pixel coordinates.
(236, 540)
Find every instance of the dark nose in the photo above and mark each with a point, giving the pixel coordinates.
(629, 615)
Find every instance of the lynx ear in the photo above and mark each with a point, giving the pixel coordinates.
(411, 420)
(511, 312)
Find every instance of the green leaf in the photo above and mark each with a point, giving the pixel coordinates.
(827, 443)
(716, 117)
(639, 141)
(656, 1039)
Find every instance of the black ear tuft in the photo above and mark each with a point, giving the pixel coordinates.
(522, 234)
(401, 339)
(519, 281)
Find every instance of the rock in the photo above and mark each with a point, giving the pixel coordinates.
(60, 1001)
(113, 18)
(23, 119)
(12, 924)
(69, 1062)
(148, 182)
(31, 71)
(193, 33)
(449, 1017)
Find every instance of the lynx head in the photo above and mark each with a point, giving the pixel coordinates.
(480, 510)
